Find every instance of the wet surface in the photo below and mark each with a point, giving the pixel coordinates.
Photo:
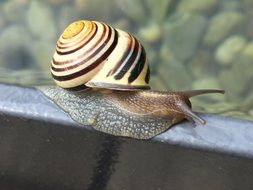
(41, 148)
(39, 155)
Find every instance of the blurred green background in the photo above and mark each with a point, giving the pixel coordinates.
(190, 44)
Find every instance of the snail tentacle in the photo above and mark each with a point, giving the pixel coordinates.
(189, 114)
(191, 93)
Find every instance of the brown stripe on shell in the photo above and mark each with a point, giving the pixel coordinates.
(138, 67)
(124, 57)
(147, 75)
(83, 36)
(80, 57)
(68, 42)
(79, 45)
(64, 43)
(91, 66)
(83, 61)
(129, 62)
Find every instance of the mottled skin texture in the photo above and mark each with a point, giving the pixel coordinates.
(136, 114)
(156, 104)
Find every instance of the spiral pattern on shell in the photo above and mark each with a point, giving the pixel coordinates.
(93, 54)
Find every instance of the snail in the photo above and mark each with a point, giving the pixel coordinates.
(102, 76)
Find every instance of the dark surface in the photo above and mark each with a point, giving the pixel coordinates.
(42, 148)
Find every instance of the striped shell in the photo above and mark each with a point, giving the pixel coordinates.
(93, 54)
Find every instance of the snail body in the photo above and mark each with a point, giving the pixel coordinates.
(135, 114)
(102, 75)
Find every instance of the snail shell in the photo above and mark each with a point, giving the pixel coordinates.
(93, 54)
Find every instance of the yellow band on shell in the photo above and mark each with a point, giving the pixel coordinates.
(73, 29)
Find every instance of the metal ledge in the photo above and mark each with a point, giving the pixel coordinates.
(42, 148)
